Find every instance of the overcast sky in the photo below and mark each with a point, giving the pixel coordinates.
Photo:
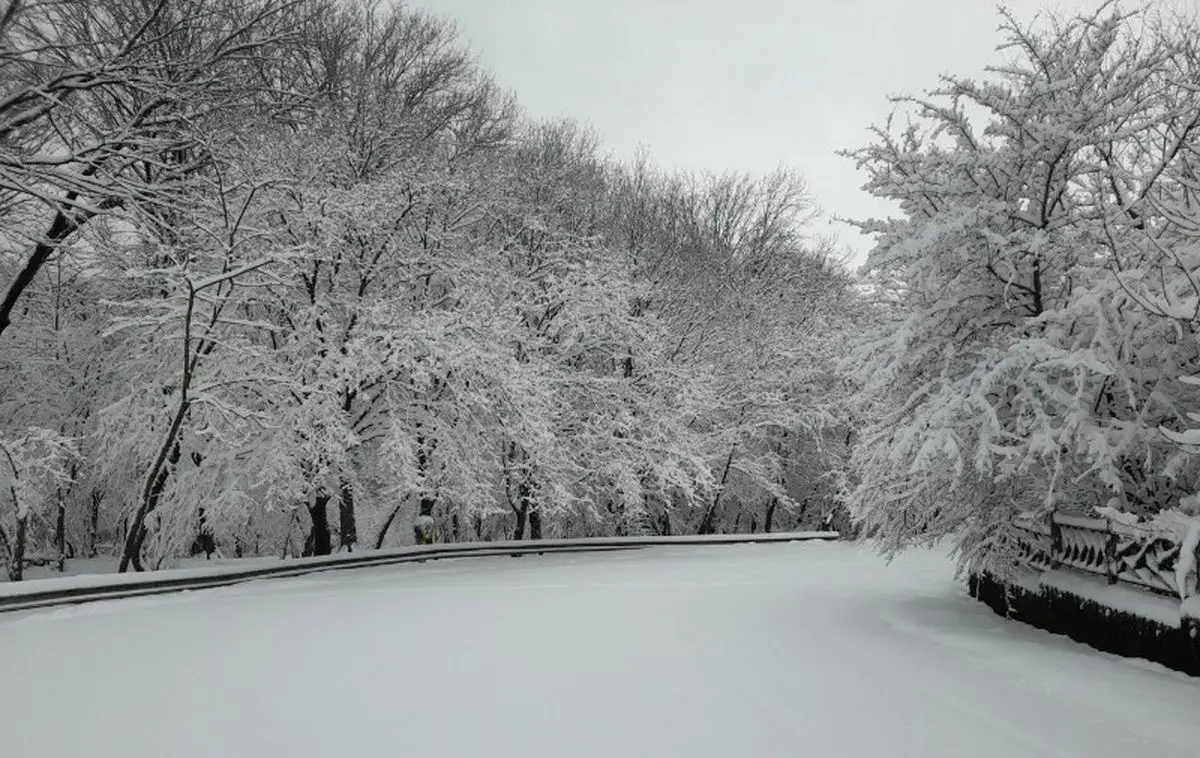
(735, 84)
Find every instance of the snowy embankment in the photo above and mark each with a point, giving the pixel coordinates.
(757, 650)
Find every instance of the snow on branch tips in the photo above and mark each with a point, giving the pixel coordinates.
(1047, 255)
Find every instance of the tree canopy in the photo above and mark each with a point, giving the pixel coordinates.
(293, 276)
(1036, 350)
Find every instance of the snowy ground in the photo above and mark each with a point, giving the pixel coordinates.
(761, 650)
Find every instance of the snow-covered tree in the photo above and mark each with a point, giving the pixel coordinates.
(751, 306)
(333, 285)
(100, 105)
(1022, 370)
(33, 468)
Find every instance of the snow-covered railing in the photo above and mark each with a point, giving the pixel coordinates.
(84, 589)
(1148, 556)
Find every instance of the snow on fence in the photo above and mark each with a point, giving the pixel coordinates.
(1132, 554)
(1120, 586)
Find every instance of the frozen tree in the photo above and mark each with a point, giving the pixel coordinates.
(1021, 370)
(32, 469)
(100, 103)
(403, 125)
(752, 307)
(311, 276)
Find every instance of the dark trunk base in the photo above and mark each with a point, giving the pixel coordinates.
(519, 529)
(16, 566)
(347, 524)
(320, 541)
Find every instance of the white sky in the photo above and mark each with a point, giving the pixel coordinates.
(736, 84)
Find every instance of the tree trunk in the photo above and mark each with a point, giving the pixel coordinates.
(800, 515)
(320, 541)
(156, 482)
(204, 542)
(618, 517)
(770, 515)
(387, 524)
(94, 523)
(63, 226)
(347, 524)
(708, 523)
(169, 450)
(131, 556)
(519, 530)
(16, 565)
(527, 510)
(423, 524)
(60, 533)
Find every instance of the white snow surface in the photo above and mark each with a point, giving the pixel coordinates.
(1121, 597)
(1191, 607)
(1185, 568)
(815, 649)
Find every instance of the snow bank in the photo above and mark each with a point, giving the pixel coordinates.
(1159, 608)
(1191, 607)
(1124, 598)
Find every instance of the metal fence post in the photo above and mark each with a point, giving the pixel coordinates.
(1110, 552)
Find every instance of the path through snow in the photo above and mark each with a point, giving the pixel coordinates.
(739, 652)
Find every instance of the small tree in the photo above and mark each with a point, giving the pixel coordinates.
(33, 466)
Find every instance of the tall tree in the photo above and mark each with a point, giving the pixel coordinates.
(98, 107)
(1021, 373)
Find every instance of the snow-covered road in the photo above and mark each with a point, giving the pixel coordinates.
(764, 650)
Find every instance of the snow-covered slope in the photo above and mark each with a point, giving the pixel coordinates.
(761, 650)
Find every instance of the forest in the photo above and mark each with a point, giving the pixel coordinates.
(293, 277)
